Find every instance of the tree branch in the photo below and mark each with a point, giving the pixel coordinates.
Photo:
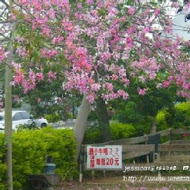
(5, 3)
(5, 37)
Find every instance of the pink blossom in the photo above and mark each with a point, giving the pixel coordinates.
(105, 97)
(68, 26)
(126, 81)
(142, 91)
(113, 96)
(184, 94)
(187, 6)
(123, 94)
(114, 77)
(131, 10)
(129, 42)
(146, 30)
(102, 47)
(131, 30)
(175, 4)
(51, 76)
(106, 56)
(12, 16)
(95, 87)
(23, 1)
(22, 51)
(166, 84)
(170, 78)
(48, 53)
(51, 14)
(79, 5)
(157, 11)
(152, 75)
(18, 78)
(91, 98)
(89, 2)
(57, 40)
(25, 86)
(46, 31)
(109, 86)
(31, 75)
(185, 86)
(15, 98)
(40, 76)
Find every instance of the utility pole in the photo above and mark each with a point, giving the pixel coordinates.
(8, 117)
(8, 103)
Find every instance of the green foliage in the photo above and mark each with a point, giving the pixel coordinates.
(177, 117)
(52, 118)
(92, 135)
(118, 130)
(121, 130)
(183, 115)
(2, 164)
(161, 122)
(142, 127)
(30, 148)
(141, 110)
(70, 116)
(128, 113)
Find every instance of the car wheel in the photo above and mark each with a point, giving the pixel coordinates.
(43, 125)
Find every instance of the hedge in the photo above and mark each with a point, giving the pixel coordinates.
(2, 164)
(30, 148)
(178, 118)
(121, 130)
(118, 130)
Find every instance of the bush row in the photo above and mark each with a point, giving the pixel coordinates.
(176, 117)
(30, 148)
(118, 131)
(179, 117)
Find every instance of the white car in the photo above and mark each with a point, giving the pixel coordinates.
(21, 118)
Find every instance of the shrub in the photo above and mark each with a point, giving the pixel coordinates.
(121, 130)
(142, 127)
(52, 118)
(92, 135)
(178, 117)
(30, 148)
(2, 164)
(183, 115)
(161, 121)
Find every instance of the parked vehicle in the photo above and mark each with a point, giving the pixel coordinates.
(20, 117)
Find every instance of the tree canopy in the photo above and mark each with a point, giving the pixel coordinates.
(99, 44)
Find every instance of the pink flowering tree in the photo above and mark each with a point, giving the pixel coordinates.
(101, 45)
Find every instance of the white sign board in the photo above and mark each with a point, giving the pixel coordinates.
(104, 157)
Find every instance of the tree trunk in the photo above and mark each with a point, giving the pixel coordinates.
(153, 127)
(103, 120)
(80, 124)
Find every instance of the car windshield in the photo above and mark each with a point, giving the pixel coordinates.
(1, 118)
